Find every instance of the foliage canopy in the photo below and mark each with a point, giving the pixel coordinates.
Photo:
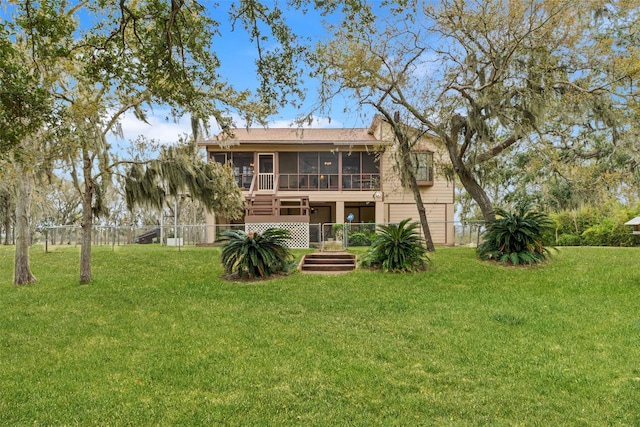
(179, 171)
(493, 79)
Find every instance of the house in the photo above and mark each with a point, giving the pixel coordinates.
(635, 225)
(327, 176)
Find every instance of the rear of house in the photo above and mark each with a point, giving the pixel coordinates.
(328, 176)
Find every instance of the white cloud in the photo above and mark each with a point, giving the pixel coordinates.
(429, 65)
(158, 128)
(165, 131)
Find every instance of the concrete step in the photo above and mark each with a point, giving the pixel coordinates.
(328, 262)
(330, 255)
(325, 268)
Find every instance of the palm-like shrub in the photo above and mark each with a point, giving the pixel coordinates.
(397, 248)
(256, 254)
(516, 237)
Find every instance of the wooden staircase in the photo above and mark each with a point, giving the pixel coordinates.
(328, 262)
(261, 204)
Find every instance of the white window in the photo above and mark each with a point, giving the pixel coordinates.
(423, 161)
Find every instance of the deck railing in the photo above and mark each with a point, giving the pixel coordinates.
(265, 181)
(329, 182)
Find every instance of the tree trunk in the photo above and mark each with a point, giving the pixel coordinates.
(477, 193)
(422, 213)
(470, 184)
(22, 270)
(87, 222)
(405, 152)
(7, 219)
(7, 234)
(407, 175)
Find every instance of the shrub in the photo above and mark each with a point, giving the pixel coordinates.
(359, 239)
(338, 231)
(598, 234)
(600, 225)
(256, 254)
(569, 240)
(565, 222)
(515, 238)
(621, 235)
(609, 232)
(397, 248)
(356, 234)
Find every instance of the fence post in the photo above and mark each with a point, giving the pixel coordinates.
(464, 228)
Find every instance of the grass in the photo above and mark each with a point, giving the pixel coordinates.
(159, 339)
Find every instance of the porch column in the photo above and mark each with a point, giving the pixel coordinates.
(340, 218)
(380, 212)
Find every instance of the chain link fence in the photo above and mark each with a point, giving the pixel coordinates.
(344, 235)
(324, 236)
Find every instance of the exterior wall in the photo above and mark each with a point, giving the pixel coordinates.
(438, 198)
(439, 217)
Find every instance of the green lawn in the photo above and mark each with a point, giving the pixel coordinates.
(159, 339)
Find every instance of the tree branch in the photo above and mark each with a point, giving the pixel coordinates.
(497, 149)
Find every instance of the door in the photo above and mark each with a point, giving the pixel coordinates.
(265, 171)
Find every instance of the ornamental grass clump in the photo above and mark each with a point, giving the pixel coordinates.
(515, 237)
(397, 248)
(256, 255)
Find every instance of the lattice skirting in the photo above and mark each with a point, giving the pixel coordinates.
(299, 232)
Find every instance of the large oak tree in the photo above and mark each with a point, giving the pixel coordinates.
(490, 78)
(114, 57)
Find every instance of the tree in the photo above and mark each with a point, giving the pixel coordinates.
(60, 205)
(179, 171)
(489, 77)
(27, 115)
(6, 211)
(24, 189)
(141, 54)
(406, 139)
(24, 103)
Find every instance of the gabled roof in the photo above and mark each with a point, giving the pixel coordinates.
(634, 221)
(333, 136)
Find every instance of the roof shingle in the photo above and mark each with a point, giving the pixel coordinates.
(297, 136)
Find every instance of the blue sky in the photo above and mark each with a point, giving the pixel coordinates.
(237, 56)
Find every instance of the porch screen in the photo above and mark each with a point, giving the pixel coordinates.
(360, 171)
(243, 169)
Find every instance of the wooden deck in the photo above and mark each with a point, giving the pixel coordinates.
(267, 208)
